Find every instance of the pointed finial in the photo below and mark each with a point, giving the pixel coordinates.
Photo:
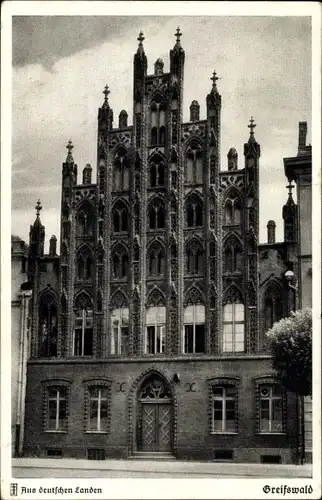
(141, 38)
(106, 92)
(178, 34)
(38, 207)
(290, 186)
(69, 147)
(214, 78)
(251, 125)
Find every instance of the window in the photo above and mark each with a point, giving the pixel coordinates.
(156, 214)
(194, 329)
(232, 211)
(98, 409)
(273, 306)
(121, 173)
(56, 409)
(120, 331)
(155, 330)
(85, 221)
(120, 217)
(83, 332)
(194, 211)
(233, 257)
(270, 408)
(156, 260)
(120, 261)
(194, 255)
(47, 327)
(233, 332)
(194, 165)
(224, 409)
(158, 118)
(84, 265)
(156, 176)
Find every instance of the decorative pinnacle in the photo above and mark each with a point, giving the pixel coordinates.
(251, 125)
(69, 147)
(106, 92)
(214, 78)
(38, 207)
(178, 34)
(141, 38)
(290, 186)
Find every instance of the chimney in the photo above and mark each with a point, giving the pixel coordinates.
(194, 111)
(123, 119)
(271, 231)
(53, 246)
(302, 135)
(87, 174)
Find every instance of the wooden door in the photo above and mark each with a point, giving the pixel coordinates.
(156, 427)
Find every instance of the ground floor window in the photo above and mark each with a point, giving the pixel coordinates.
(98, 409)
(56, 409)
(270, 408)
(224, 409)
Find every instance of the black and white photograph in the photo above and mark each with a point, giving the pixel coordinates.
(163, 170)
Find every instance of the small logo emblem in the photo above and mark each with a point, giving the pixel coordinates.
(14, 489)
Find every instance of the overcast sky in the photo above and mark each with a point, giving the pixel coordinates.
(61, 65)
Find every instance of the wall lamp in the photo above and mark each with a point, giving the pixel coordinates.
(291, 279)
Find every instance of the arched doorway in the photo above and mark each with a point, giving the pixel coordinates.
(154, 415)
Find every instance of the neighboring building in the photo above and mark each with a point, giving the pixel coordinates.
(299, 169)
(20, 342)
(148, 332)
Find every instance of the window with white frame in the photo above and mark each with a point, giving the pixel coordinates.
(224, 409)
(83, 332)
(98, 409)
(120, 331)
(155, 330)
(270, 408)
(234, 327)
(194, 329)
(56, 409)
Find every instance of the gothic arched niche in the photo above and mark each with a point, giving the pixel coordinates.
(194, 256)
(155, 298)
(232, 207)
(155, 259)
(193, 296)
(273, 303)
(120, 261)
(156, 213)
(85, 263)
(156, 171)
(154, 387)
(85, 219)
(120, 216)
(193, 210)
(121, 173)
(118, 300)
(47, 325)
(194, 163)
(233, 295)
(232, 254)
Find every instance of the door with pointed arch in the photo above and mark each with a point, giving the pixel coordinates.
(154, 429)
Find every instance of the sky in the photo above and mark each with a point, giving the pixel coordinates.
(61, 65)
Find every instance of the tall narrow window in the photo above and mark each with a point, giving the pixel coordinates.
(85, 221)
(156, 260)
(273, 305)
(120, 262)
(120, 217)
(98, 409)
(232, 211)
(155, 330)
(224, 409)
(84, 265)
(194, 256)
(121, 171)
(83, 332)
(158, 122)
(47, 327)
(194, 165)
(56, 409)
(233, 327)
(271, 408)
(120, 331)
(194, 329)
(156, 214)
(156, 176)
(194, 211)
(233, 256)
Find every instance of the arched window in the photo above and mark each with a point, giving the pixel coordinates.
(233, 256)
(83, 328)
(194, 165)
(233, 327)
(156, 214)
(121, 171)
(120, 217)
(194, 256)
(155, 330)
(120, 261)
(156, 173)
(156, 260)
(232, 211)
(158, 122)
(194, 329)
(120, 331)
(273, 305)
(84, 265)
(85, 220)
(194, 211)
(154, 136)
(47, 326)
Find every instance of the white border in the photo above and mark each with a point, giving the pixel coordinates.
(157, 488)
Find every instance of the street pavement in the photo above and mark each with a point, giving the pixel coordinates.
(71, 468)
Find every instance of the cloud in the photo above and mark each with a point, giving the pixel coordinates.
(64, 64)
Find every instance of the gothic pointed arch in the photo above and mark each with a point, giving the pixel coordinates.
(194, 296)
(47, 322)
(194, 252)
(85, 218)
(156, 213)
(193, 161)
(232, 206)
(232, 254)
(83, 300)
(193, 208)
(120, 260)
(156, 258)
(84, 263)
(120, 215)
(155, 298)
(233, 294)
(118, 300)
(121, 170)
(273, 299)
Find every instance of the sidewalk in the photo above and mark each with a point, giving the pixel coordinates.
(158, 467)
